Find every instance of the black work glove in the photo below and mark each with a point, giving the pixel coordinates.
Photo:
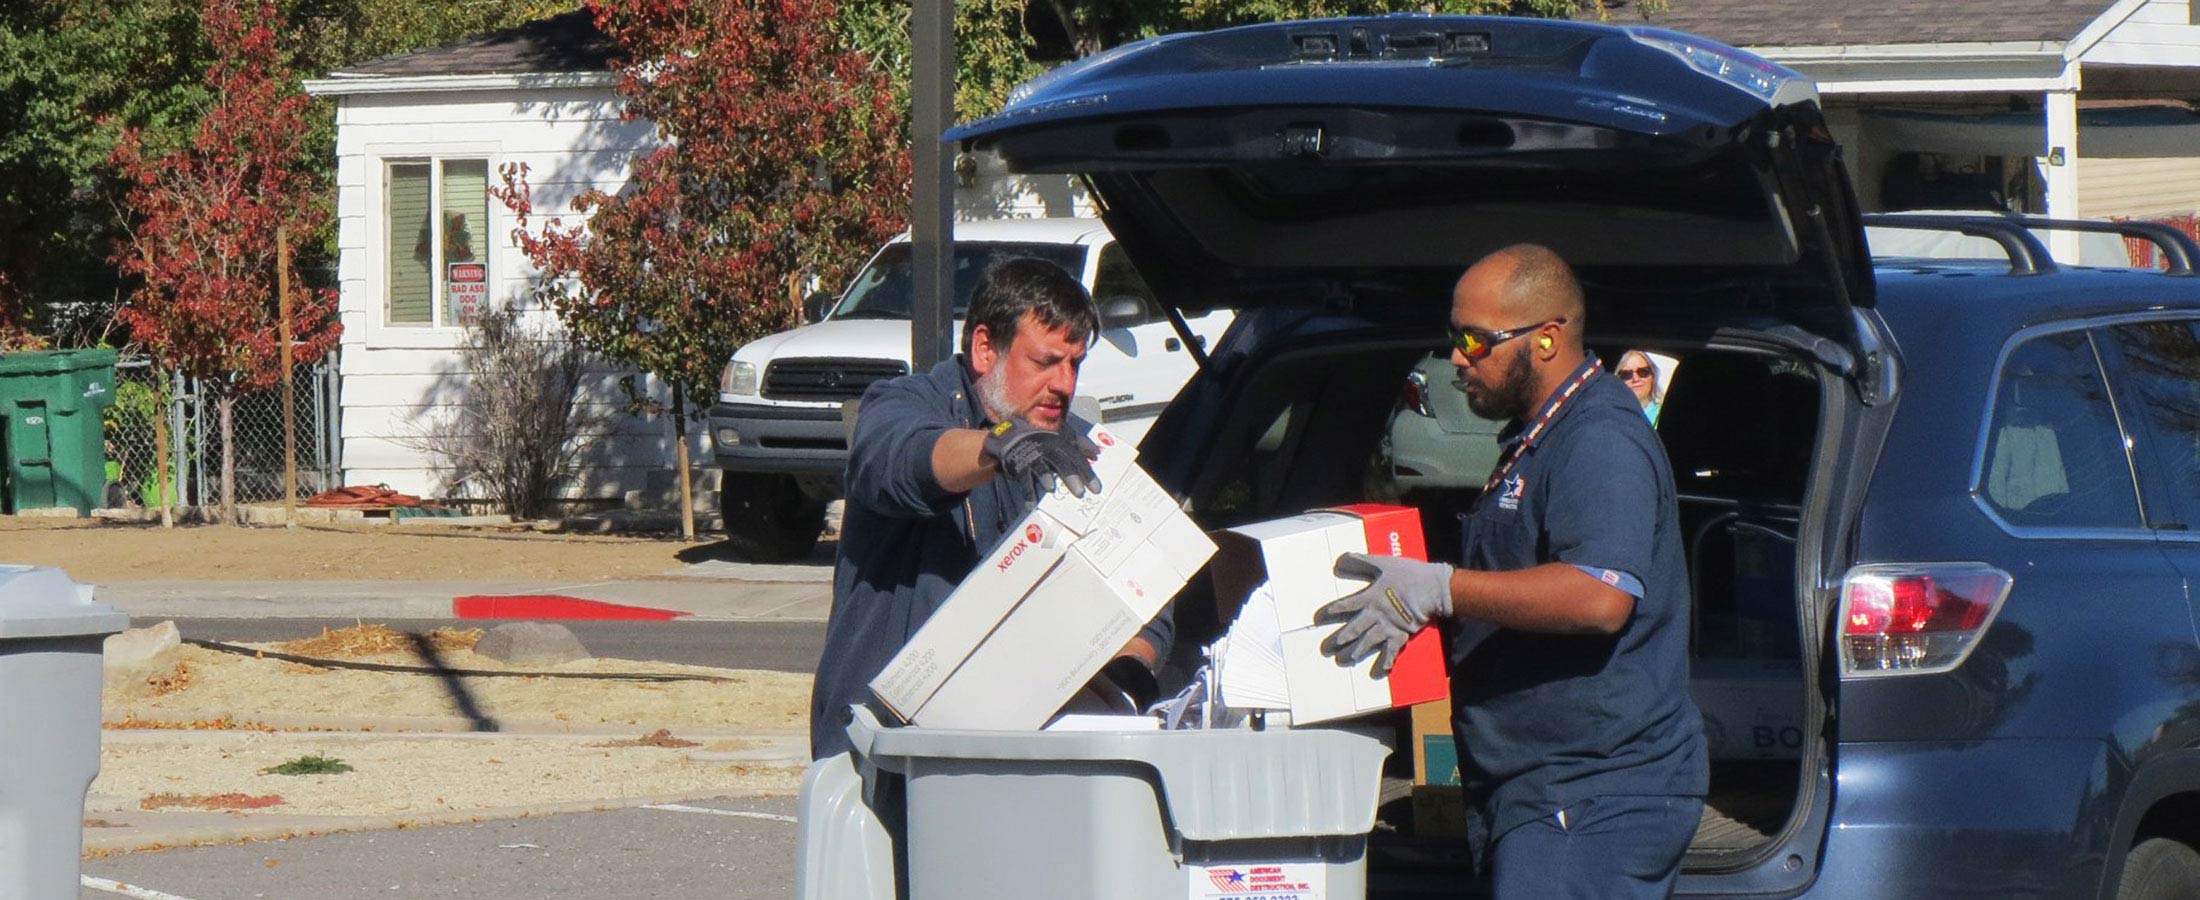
(1125, 681)
(1042, 457)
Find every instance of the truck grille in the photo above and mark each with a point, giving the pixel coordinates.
(831, 380)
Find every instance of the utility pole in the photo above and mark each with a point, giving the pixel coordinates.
(932, 212)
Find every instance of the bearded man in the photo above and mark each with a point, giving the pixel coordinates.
(943, 463)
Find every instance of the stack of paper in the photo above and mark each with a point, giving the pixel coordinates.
(1250, 657)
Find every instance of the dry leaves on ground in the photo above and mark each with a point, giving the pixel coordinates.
(230, 800)
(662, 737)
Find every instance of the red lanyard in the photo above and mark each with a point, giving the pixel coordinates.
(1535, 429)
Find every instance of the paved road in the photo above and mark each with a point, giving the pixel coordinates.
(778, 646)
(616, 854)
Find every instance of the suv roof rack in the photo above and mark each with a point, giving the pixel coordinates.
(2179, 251)
(2027, 256)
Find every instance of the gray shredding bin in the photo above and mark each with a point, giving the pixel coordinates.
(1001, 814)
(51, 639)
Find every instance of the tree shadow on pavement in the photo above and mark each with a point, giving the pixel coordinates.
(722, 551)
(453, 683)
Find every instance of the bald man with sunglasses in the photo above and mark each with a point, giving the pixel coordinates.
(1566, 625)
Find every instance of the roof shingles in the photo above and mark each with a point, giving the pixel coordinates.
(1815, 23)
(561, 44)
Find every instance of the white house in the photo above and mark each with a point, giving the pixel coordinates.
(2063, 107)
(431, 131)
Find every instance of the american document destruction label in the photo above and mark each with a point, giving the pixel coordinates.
(1258, 881)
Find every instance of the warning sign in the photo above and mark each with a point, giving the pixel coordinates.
(1279, 881)
(469, 287)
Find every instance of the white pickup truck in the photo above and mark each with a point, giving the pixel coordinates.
(777, 431)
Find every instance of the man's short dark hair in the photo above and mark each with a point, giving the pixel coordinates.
(1012, 287)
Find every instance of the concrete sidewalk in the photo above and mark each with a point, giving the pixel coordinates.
(711, 591)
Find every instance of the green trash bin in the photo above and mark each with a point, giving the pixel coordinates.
(52, 447)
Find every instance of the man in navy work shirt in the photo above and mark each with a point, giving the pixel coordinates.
(1566, 626)
(942, 464)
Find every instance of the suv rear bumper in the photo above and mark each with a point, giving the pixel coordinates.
(794, 440)
(1978, 818)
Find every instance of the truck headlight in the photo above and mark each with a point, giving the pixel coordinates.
(738, 378)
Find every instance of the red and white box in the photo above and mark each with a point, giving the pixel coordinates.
(1293, 560)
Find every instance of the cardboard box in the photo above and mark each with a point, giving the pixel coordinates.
(1752, 708)
(1296, 558)
(1435, 753)
(1049, 606)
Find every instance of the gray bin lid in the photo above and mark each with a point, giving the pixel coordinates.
(1218, 784)
(44, 603)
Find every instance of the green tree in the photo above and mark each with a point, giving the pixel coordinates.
(75, 74)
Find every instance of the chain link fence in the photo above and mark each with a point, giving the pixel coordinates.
(145, 396)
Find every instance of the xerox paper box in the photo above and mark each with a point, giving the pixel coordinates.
(1051, 644)
(977, 606)
(999, 581)
(1007, 650)
(1286, 566)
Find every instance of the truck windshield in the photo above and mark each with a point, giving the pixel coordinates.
(883, 289)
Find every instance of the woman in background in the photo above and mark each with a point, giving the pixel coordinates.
(1641, 377)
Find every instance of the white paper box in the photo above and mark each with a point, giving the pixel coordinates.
(1038, 618)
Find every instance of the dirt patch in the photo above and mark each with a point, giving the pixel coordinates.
(417, 775)
(199, 741)
(93, 552)
(244, 689)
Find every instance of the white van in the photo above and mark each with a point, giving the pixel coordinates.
(777, 430)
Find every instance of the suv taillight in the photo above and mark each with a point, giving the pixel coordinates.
(1415, 396)
(1916, 619)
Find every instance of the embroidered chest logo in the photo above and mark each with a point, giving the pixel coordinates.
(1510, 491)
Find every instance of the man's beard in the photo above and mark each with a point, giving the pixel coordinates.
(993, 395)
(1511, 397)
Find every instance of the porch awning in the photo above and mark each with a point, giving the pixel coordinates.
(2116, 133)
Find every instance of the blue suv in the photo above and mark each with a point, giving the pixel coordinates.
(1942, 517)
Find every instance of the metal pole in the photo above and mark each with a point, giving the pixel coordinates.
(176, 437)
(290, 382)
(932, 213)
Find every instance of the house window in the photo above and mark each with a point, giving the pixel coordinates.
(438, 249)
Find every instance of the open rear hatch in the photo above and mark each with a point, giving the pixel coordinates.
(1296, 162)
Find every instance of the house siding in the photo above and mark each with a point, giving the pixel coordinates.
(399, 380)
(2160, 32)
(2139, 188)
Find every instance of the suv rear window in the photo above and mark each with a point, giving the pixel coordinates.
(2054, 455)
(2159, 390)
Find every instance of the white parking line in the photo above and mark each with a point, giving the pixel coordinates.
(678, 807)
(128, 890)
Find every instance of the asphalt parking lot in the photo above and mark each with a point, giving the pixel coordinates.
(729, 848)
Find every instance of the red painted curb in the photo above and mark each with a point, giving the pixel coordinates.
(553, 606)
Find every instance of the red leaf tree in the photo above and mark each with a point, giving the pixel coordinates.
(202, 221)
(782, 158)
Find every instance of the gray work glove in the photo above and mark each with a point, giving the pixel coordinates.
(1040, 456)
(1406, 595)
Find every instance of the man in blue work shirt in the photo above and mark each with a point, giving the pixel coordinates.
(1566, 626)
(943, 463)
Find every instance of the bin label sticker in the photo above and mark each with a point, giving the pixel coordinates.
(34, 420)
(1277, 881)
